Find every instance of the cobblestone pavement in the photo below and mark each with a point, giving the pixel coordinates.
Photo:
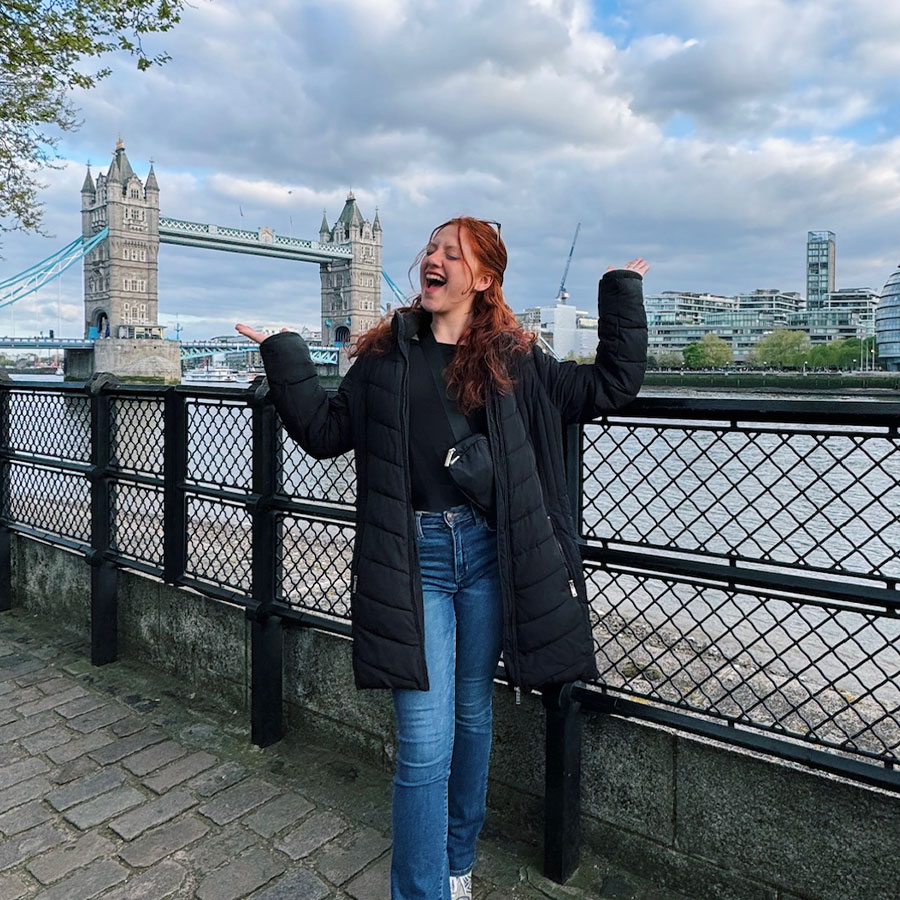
(119, 783)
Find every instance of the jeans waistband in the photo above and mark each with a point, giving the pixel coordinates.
(456, 515)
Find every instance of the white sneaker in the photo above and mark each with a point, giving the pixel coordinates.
(461, 886)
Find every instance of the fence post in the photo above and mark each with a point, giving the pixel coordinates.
(266, 631)
(5, 534)
(175, 474)
(562, 783)
(562, 741)
(104, 599)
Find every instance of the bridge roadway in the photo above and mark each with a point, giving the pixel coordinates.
(116, 784)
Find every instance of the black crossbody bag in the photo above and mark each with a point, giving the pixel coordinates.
(469, 460)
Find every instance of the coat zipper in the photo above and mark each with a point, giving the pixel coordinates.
(572, 589)
(512, 664)
(411, 525)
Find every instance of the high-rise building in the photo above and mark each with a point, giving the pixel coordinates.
(820, 251)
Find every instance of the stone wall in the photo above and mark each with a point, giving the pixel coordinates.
(704, 819)
(134, 359)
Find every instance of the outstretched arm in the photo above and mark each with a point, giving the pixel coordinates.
(320, 424)
(584, 391)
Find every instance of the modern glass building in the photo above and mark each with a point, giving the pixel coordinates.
(820, 253)
(887, 324)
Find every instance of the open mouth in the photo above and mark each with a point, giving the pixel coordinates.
(433, 280)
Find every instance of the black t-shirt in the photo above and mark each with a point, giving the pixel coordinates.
(430, 435)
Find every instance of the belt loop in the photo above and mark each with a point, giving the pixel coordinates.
(419, 532)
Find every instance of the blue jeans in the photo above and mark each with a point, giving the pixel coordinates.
(444, 733)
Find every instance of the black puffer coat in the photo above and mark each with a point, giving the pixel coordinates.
(547, 636)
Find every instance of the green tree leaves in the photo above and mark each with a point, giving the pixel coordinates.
(711, 352)
(44, 45)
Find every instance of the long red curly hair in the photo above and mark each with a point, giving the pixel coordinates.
(493, 336)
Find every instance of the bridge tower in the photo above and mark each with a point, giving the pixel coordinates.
(351, 289)
(121, 306)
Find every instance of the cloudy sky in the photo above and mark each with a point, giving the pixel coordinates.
(707, 136)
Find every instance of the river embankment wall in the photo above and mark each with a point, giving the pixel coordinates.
(706, 820)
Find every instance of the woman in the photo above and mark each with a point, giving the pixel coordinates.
(440, 586)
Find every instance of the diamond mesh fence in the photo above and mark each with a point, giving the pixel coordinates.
(219, 543)
(50, 424)
(50, 500)
(771, 500)
(316, 565)
(328, 480)
(137, 522)
(823, 500)
(220, 438)
(136, 439)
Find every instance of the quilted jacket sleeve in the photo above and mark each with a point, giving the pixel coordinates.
(584, 391)
(320, 424)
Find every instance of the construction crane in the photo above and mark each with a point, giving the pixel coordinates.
(562, 296)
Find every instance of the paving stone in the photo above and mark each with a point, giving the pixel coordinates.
(231, 804)
(7, 716)
(85, 789)
(80, 706)
(22, 727)
(300, 884)
(44, 740)
(155, 884)
(10, 753)
(98, 718)
(70, 771)
(347, 856)
(43, 702)
(213, 851)
(93, 812)
(217, 779)
(241, 877)
(128, 725)
(58, 684)
(18, 794)
(154, 757)
(315, 831)
(126, 746)
(277, 814)
(179, 771)
(12, 887)
(21, 770)
(18, 697)
(22, 847)
(154, 812)
(86, 883)
(375, 882)
(23, 817)
(15, 672)
(56, 864)
(164, 841)
(77, 667)
(73, 749)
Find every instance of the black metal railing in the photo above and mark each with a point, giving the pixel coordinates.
(742, 556)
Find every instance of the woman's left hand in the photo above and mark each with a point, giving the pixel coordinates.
(641, 266)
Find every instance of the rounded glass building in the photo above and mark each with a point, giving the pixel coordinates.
(887, 324)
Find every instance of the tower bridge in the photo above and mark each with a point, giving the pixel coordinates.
(121, 232)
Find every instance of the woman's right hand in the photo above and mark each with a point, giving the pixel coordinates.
(252, 333)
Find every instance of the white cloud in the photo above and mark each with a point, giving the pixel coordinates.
(710, 140)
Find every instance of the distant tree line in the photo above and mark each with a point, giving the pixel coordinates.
(779, 349)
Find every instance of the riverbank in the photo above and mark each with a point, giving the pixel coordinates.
(882, 383)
